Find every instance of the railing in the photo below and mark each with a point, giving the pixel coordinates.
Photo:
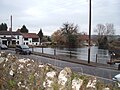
(82, 54)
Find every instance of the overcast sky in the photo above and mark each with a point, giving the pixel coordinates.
(51, 14)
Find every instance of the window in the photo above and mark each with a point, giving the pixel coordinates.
(17, 37)
(35, 40)
(17, 42)
(26, 43)
(25, 39)
(30, 41)
(4, 36)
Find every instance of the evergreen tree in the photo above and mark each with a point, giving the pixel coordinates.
(24, 29)
(3, 27)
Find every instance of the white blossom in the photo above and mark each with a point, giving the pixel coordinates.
(11, 72)
(106, 88)
(51, 74)
(62, 79)
(6, 60)
(48, 83)
(36, 74)
(91, 83)
(23, 86)
(19, 83)
(9, 54)
(32, 60)
(1, 60)
(77, 83)
(20, 71)
(3, 65)
(41, 66)
(28, 64)
(21, 66)
(22, 60)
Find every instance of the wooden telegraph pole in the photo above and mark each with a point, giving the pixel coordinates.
(89, 30)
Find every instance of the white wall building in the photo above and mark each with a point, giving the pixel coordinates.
(8, 37)
(31, 39)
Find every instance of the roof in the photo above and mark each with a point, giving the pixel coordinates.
(8, 38)
(9, 33)
(30, 35)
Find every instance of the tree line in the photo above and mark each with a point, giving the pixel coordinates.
(68, 35)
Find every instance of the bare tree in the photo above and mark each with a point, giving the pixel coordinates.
(103, 31)
(107, 29)
(110, 29)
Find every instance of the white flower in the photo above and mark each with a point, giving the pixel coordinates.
(9, 54)
(77, 83)
(19, 83)
(32, 60)
(51, 74)
(92, 83)
(106, 88)
(3, 65)
(36, 74)
(20, 71)
(6, 59)
(11, 72)
(1, 60)
(23, 86)
(48, 83)
(41, 66)
(62, 80)
(22, 60)
(28, 64)
(21, 66)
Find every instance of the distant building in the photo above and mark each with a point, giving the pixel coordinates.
(16, 38)
(30, 39)
(8, 37)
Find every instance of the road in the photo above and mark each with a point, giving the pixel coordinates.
(102, 73)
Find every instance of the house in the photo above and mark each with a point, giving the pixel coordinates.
(16, 38)
(30, 39)
(8, 37)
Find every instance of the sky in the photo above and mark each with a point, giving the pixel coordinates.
(51, 14)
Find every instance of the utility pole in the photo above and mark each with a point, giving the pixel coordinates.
(89, 30)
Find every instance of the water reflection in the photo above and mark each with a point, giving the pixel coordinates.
(79, 53)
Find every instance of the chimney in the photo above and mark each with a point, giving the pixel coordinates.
(11, 23)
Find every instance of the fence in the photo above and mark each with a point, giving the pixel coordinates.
(102, 56)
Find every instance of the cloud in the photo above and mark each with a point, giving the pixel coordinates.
(51, 14)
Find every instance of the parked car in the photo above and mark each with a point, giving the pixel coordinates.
(3, 46)
(116, 79)
(22, 49)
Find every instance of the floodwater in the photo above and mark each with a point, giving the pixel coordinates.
(99, 55)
